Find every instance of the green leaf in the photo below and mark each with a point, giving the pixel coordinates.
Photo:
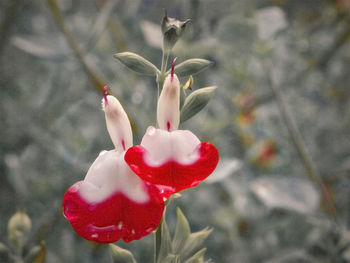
(191, 66)
(137, 63)
(198, 257)
(166, 247)
(182, 232)
(195, 102)
(194, 242)
(182, 97)
(121, 255)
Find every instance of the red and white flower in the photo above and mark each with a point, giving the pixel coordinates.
(171, 158)
(112, 202)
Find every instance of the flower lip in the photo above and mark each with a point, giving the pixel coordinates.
(112, 202)
(176, 159)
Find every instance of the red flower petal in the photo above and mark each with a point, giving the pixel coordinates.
(114, 218)
(171, 173)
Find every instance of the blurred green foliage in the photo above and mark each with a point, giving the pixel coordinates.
(262, 204)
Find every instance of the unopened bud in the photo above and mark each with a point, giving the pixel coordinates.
(19, 227)
(172, 30)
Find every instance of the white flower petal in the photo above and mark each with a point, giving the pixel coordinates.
(118, 124)
(168, 110)
(110, 174)
(163, 146)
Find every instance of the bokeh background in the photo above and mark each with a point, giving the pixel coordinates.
(280, 119)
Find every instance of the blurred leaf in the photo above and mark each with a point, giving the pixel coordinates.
(290, 193)
(121, 255)
(100, 24)
(225, 168)
(137, 63)
(182, 231)
(191, 66)
(270, 20)
(166, 247)
(195, 102)
(50, 47)
(40, 257)
(152, 33)
(194, 243)
(198, 257)
(3, 248)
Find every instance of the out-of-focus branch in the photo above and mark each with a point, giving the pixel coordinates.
(96, 80)
(300, 146)
(339, 42)
(10, 15)
(114, 29)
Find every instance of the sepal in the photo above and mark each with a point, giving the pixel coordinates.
(121, 255)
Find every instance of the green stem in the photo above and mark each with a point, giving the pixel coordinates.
(157, 241)
(161, 77)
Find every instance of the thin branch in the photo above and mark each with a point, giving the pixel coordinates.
(10, 16)
(301, 148)
(96, 80)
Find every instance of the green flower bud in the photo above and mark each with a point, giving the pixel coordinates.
(19, 227)
(172, 30)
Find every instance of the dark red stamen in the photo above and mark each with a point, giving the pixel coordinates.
(105, 90)
(172, 70)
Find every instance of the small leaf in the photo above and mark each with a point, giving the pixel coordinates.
(189, 83)
(195, 102)
(166, 247)
(182, 232)
(191, 66)
(194, 242)
(198, 257)
(121, 255)
(137, 63)
(182, 97)
(40, 256)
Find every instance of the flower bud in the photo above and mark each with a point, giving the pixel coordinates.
(172, 30)
(168, 111)
(19, 227)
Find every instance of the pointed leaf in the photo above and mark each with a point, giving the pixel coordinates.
(40, 256)
(194, 243)
(191, 66)
(121, 255)
(182, 232)
(171, 259)
(166, 246)
(198, 257)
(195, 102)
(137, 63)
